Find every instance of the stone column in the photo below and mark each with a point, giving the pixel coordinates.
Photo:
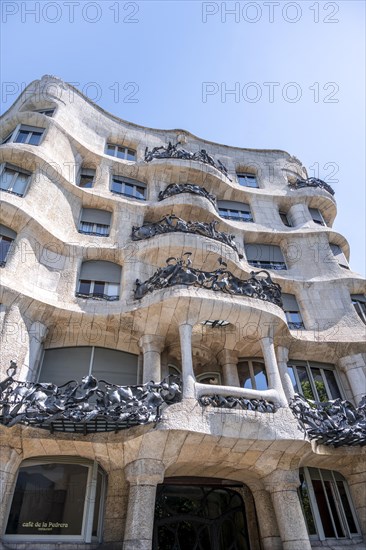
(282, 358)
(228, 360)
(273, 374)
(357, 486)
(185, 334)
(282, 485)
(299, 214)
(37, 334)
(143, 475)
(270, 537)
(151, 346)
(9, 464)
(354, 368)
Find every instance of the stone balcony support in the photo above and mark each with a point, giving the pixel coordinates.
(357, 486)
(282, 486)
(274, 379)
(354, 368)
(299, 215)
(151, 346)
(185, 334)
(282, 360)
(228, 360)
(270, 537)
(143, 475)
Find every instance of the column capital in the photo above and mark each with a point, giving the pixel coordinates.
(351, 362)
(151, 342)
(145, 471)
(282, 480)
(228, 356)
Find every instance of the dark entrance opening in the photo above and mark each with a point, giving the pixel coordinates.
(199, 516)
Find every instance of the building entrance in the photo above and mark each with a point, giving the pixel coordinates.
(199, 517)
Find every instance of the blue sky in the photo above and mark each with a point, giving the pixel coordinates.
(296, 69)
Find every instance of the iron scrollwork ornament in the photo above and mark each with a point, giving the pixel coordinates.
(178, 188)
(178, 271)
(86, 407)
(230, 402)
(172, 223)
(311, 182)
(172, 151)
(335, 422)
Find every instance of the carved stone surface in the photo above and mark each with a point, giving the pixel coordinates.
(172, 151)
(229, 402)
(334, 422)
(172, 223)
(86, 407)
(177, 188)
(311, 182)
(178, 271)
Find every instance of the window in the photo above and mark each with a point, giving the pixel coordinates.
(86, 178)
(284, 219)
(247, 180)
(252, 374)
(316, 216)
(13, 179)
(265, 256)
(315, 381)
(213, 378)
(99, 279)
(7, 236)
(292, 311)
(57, 499)
(60, 365)
(95, 222)
(327, 505)
(120, 152)
(30, 135)
(128, 187)
(339, 256)
(235, 211)
(47, 112)
(359, 302)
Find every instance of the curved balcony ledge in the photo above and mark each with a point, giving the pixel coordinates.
(271, 396)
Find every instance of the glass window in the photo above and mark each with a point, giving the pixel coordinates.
(27, 134)
(47, 112)
(236, 215)
(128, 187)
(327, 505)
(247, 180)
(14, 180)
(95, 222)
(252, 375)
(53, 500)
(315, 381)
(100, 280)
(359, 303)
(86, 178)
(265, 256)
(316, 216)
(5, 244)
(120, 152)
(294, 320)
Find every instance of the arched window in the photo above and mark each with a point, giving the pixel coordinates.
(57, 499)
(99, 280)
(327, 505)
(60, 365)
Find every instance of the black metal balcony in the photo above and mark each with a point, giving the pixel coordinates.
(311, 182)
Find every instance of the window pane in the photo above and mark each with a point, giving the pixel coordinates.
(337, 521)
(86, 181)
(116, 186)
(110, 150)
(84, 287)
(244, 375)
(98, 495)
(347, 508)
(48, 500)
(332, 384)
(121, 152)
(7, 178)
(323, 508)
(35, 138)
(20, 184)
(131, 155)
(140, 192)
(112, 289)
(319, 385)
(260, 376)
(99, 287)
(102, 229)
(291, 374)
(128, 189)
(305, 501)
(22, 136)
(306, 389)
(5, 244)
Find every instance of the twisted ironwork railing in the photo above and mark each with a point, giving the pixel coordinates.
(311, 182)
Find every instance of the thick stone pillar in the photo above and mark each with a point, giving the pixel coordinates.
(9, 464)
(143, 475)
(270, 537)
(37, 334)
(228, 360)
(299, 214)
(357, 487)
(282, 486)
(185, 334)
(274, 379)
(151, 346)
(354, 368)
(282, 359)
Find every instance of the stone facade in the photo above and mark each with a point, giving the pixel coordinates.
(43, 308)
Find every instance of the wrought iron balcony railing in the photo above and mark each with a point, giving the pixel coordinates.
(178, 188)
(97, 296)
(311, 182)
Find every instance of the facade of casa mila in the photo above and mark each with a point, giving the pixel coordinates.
(182, 341)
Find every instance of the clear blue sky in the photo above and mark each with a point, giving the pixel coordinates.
(312, 52)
